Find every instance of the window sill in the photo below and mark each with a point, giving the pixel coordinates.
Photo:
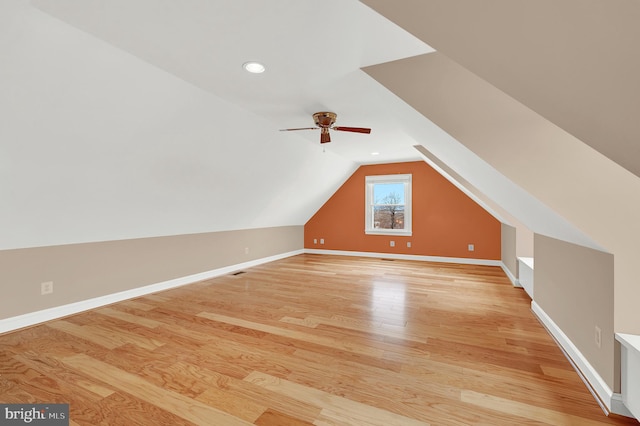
(388, 232)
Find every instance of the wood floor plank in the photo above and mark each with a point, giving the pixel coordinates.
(333, 406)
(544, 415)
(109, 338)
(562, 373)
(50, 367)
(275, 418)
(122, 408)
(309, 339)
(237, 406)
(137, 304)
(126, 316)
(347, 322)
(294, 334)
(187, 408)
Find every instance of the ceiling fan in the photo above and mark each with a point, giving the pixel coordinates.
(324, 121)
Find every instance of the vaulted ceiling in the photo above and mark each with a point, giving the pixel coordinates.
(125, 119)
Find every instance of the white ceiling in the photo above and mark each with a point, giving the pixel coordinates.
(131, 119)
(313, 53)
(134, 118)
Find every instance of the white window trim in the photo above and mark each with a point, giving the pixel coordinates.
(368, 224)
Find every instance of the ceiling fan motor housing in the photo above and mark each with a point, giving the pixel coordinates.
(325, 119)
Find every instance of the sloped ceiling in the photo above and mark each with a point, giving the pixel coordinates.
(574, 62)
(129, 119)
(313, 53)
(506, 129)
(99, 145)
(135, 119)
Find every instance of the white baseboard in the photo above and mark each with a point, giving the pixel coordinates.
(462, 260)
(512, 278)
(33, 318)
(618, 407)
(602, 392)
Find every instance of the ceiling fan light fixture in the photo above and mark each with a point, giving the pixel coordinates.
(253, 67)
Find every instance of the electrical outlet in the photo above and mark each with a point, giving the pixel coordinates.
(598, 336)
(321, 240)
(392, 243)
(246, 250)
(315, 241)
(471, 247)
(46, 288)
(408, 244)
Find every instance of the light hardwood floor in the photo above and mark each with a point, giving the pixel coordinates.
(312, 339)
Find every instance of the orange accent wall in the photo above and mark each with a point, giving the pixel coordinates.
(445, 220)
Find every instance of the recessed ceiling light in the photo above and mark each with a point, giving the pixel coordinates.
(375, 153)
(253, 67)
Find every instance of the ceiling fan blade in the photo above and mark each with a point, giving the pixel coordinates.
(352, 129)
(324, 136)
(299, 128)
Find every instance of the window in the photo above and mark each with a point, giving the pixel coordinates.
(388, 208)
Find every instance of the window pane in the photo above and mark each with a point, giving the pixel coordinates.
(388, 193)
(388, 217)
